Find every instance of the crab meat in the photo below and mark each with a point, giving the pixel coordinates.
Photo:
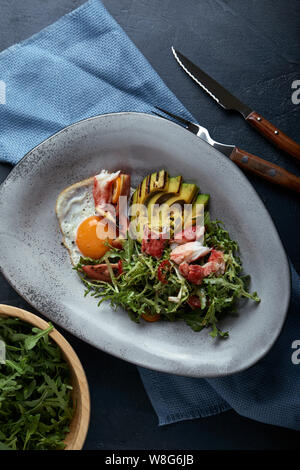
(192, 272)
(189, 234)
(195, 273)
(189, 252)
(215, 264)
(102, 191)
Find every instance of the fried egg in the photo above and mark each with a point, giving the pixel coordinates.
(75, 210)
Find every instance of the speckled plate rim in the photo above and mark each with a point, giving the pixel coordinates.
(280, 325)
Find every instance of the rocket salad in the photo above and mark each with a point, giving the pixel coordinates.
(154, 289)
(165, 260)
(36, 405)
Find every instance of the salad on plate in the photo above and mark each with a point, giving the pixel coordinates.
(153, 250)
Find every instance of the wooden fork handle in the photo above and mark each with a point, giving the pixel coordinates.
(267, 170)
(274, 135)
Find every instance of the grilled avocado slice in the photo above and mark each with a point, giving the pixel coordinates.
(174, 184)
(186, 195)
(201, 200)
(151, 184)
(160, 189)
(159, 181)
(156, 217)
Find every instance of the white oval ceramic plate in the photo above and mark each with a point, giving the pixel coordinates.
(38, 267)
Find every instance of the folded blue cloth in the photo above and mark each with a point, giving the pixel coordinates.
(84, 65)
(268, 392)
(81, 66)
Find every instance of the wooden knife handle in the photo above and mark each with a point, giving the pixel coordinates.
(267, 170)
(275, 135)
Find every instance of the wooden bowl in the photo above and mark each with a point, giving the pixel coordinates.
(80, 422)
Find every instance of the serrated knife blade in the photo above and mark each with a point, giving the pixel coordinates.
(229, 102)
(213, 88)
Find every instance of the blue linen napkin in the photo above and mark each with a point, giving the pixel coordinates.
(84, 65)
(268, 392)
(80, 66)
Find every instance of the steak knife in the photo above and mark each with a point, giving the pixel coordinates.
(229, 102)
(245, 160)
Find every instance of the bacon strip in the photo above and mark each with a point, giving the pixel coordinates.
(102, 191)
(153, 244)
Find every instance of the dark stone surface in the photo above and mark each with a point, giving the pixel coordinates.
(253, 49)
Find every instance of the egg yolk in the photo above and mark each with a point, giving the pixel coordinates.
(87, 240)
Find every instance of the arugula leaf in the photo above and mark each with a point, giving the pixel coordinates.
(139, 290)
(32, 340)
(4, 447)
(35, 393)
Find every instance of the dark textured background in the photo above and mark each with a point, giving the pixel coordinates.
(253, 48)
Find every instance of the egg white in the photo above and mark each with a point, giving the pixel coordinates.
(74, 204)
